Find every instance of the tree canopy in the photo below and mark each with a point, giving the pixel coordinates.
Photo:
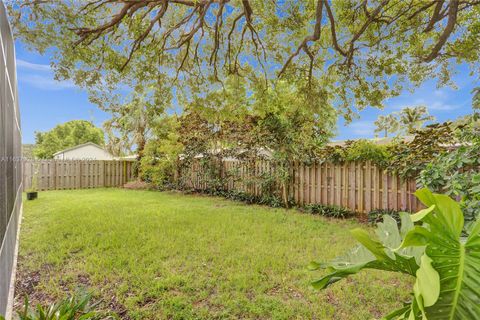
(66, 135)
(360, 52)
(405, 121)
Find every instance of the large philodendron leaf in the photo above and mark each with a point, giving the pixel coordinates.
(445, 265)
(456, 260)
(373, 254)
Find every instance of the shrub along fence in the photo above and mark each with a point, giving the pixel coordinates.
(74, 174)
(360, 187)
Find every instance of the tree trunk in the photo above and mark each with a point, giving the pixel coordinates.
(285, 183)
(285, 194)
(140, 152)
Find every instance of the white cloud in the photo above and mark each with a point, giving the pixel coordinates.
(435, 105)
(45, 82)
(361, 128)
(33, 66)
(442, 106)
(414, 103)
(40, 76)
(439, 93)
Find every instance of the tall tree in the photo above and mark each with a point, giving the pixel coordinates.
(130, 122)
(279, 120)
(349, 47)
(66, 135)
(134, 100)
(159, 164)
(405, 121)
(412, 118)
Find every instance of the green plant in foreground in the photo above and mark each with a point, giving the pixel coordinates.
(73, 308)
(445, 265)
(375, 216)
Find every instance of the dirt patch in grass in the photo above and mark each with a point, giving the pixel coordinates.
(138, 185)
(26, 283)
(118, 308)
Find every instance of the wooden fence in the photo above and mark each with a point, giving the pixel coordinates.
(72, 174)
(361, 187)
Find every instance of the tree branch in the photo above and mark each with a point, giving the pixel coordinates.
(452, 19)
(435, 16)
(332, 29)
(314, 37)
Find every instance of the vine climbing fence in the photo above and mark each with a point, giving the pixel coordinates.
(358, 186)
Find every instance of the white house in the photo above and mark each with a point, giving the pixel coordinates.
(86, 151)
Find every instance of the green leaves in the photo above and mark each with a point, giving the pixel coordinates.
(406, 121)
(455, 172)
(66, 135)
(455, 260)
(447, 274)
(427, 286)
(422, 213)
(92, 43)
(447, 211)
(417, 237)
(371, 254)
(329, 210)
(77, 307)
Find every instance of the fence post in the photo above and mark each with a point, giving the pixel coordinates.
(80, 173)
(54, 175)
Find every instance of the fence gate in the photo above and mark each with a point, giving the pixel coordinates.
(10, 165)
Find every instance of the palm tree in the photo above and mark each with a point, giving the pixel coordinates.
(476, 99)
(386, 124)
(413, 118)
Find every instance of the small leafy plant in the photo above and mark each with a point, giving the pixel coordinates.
(34, 186)
(329, 211)
(77, 307)
(235, 195)
(428, 246)
(376, 216)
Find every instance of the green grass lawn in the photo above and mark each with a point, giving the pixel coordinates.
(153, 255)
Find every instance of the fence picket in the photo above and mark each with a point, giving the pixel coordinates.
(360, 187)
(65, 174)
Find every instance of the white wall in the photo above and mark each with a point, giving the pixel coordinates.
(88, 152)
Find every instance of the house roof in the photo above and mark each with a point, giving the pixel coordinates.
(79, 146)
(129, 157)
(379, 141)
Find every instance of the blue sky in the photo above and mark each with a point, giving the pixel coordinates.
(45, 102)
(444, 103)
